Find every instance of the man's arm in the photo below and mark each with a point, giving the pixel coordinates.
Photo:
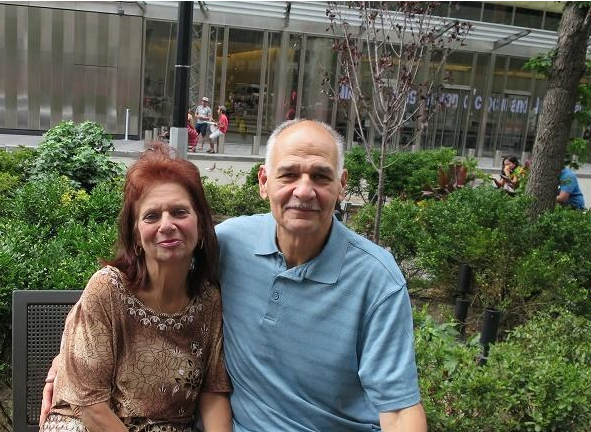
(411, 419)
(562, 197)
(48, 391)
(215, 412)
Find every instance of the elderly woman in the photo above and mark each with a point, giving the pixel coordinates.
(142, 349)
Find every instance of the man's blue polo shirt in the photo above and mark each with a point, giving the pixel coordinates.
(324, 346)
(570, 184)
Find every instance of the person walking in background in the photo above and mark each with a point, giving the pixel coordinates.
(203, 116)
(217, 130)
(192, 133)
(569, 191)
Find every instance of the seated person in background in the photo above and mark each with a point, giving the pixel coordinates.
(511, 174)
(192, 133)
(142, 348)
(569, 192)
(217, 130)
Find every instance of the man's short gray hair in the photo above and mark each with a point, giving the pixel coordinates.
(338, 140)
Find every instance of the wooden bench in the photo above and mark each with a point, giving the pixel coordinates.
(37, 325)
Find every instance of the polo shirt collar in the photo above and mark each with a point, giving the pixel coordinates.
(267, 244)
(326, 267)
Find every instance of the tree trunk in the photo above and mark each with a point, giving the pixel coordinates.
(380, 202)
(556, 117)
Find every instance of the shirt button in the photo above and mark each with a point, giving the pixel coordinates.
(275, 296)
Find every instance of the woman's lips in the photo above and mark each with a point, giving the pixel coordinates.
(170, 243)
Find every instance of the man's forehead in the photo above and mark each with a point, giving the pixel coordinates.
(305, 140)
(299, 164)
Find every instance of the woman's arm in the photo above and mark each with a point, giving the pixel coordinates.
(99, 417)
(216, 413)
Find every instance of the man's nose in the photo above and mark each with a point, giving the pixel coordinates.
(304, 190)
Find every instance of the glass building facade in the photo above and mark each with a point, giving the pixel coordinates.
(266, 62)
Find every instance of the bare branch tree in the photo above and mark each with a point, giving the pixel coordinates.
(393, 45)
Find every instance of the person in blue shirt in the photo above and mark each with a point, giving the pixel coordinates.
(318, 329)
(318, 332)
(569, 192)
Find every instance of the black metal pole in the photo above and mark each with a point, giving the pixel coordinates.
(183, 65)
(465, 276)
(490, 327)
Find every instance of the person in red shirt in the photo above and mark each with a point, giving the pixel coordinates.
(193, 134)
(217, 130)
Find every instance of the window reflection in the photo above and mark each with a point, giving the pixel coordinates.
(320, 58)
(294, 51)
(242, 83)
(158, 74)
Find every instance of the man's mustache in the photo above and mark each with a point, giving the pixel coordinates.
(299, 205)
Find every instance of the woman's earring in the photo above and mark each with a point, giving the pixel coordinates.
(201, 243)
(137, 249)
(192, 265)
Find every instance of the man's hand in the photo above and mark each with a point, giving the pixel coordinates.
(48, 391)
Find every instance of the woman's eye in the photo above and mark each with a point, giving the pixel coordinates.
(181, 212)
(150, 217)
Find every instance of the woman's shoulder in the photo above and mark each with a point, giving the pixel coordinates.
(104, 282)
(210, 296)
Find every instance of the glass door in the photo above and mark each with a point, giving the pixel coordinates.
(447, 125)
(243, 75)
(511, 128)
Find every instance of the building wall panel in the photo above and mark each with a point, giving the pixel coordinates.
(22, 94)
(33, 73)
(64, 64)
(11, 65)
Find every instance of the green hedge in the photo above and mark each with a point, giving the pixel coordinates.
(537, 380)
(519, 265)
(51, 236)
(406, 173)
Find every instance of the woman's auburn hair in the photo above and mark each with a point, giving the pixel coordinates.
(157, 166)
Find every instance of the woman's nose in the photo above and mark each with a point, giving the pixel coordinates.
(166, 223)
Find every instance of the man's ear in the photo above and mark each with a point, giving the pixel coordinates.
(344, 176)
(263, 182)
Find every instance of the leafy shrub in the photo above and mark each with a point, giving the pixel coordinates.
(518, 265)
(537, 380)
(556, 266)
(400, 228)
(234, 199)
(252, 178)
(406, 175)
(8, 183)
(17, 163)
(79, 152)
(51, 236)
(481, 227)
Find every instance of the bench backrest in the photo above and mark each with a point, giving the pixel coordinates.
(37, 325)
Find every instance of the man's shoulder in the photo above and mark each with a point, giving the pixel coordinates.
(241, 225)
(376, 259)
